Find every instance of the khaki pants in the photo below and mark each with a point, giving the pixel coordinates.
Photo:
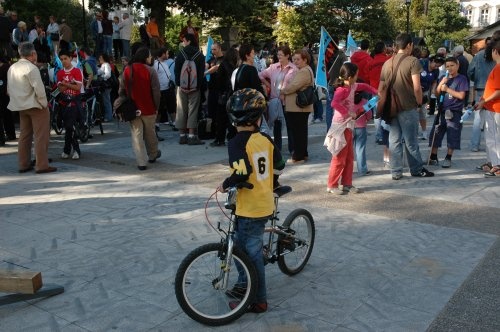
(144, 141)
(34, 123)
(188, 104)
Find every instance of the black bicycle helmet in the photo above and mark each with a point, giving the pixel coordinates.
(246, 106)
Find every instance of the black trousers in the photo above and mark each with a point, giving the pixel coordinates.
(71, 116)
(298, 132)
(221, 123)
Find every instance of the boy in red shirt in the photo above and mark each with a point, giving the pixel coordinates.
(70, 82)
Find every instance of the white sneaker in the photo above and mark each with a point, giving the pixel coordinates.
(64, 155)
(75, 156)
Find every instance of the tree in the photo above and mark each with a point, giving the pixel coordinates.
(445, 23)
(288, 28)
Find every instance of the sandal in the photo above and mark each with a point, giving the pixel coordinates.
(486, 167)
(495, 171)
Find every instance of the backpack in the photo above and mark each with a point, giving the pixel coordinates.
(188, 78)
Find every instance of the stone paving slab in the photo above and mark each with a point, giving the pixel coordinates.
(119, 262)
(114, 239)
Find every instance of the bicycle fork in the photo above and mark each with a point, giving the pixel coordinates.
(226, 258)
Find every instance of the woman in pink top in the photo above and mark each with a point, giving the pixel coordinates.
(276, 77)
(346, 111)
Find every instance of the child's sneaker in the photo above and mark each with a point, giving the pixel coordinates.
(76, 156)
(64, 155)
(336, 191)
(353, 189)
(257, 308)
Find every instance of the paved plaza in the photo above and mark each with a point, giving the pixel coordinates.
(409, 255)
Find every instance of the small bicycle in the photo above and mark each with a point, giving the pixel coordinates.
(205, 277)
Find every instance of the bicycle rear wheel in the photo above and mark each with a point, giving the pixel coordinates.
(199, 286)
(56, 120)
(99, 116)
(294, 251)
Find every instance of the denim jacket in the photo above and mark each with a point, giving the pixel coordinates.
(479, 70)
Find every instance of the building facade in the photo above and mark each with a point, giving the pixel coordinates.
(481, 13)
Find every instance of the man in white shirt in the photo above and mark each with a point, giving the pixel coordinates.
(27, 96)
(164, 68)
(125, 32)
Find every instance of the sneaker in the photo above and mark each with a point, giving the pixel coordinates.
(336, 191)
(257, 308)
(397, 176)
(158, 155)
(64, 155)
(142, 168)
(433, 162)
(217, 143)
(183, 140)
(486, 167)
(295, 162)
(367, 173)
(421, 136)
(236, 292)
(446, 163)
(387, 164)
(424, 173)
(76, 156)
(495, 172)
(475, 149)
(353, 189)
(194, 141)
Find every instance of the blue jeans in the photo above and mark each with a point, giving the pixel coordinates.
(125, 48)
(379, 134)
(360, 148)
(107, 45)
(329, 109)
(318, 110)
(249, 237)
(405, 126)
(475, 140)
(106, 100)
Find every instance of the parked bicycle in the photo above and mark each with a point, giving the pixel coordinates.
(55, 111)
(206, 275)
(92, 114)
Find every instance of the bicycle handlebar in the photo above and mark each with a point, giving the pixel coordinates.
(244, 185)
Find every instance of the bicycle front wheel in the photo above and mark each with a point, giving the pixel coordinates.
(200, 288)
(296, 248)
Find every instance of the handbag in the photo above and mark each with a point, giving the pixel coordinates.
(305, 97)
(127, 111)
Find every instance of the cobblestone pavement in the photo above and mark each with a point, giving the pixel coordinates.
(408, 255)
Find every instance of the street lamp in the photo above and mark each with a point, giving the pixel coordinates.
(408, 3)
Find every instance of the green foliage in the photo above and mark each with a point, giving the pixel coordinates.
(71, 10)
(288, 29)
(444, 22)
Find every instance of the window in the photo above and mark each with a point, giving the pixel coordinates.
(484, 16)
(468, 14)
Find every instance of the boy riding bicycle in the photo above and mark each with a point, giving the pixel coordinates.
(70, 82)
(253, 158)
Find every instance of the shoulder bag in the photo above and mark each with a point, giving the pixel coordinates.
(306, 97)
(127, 111)
(388, 104)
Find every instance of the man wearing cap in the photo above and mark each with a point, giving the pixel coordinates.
(27, 96)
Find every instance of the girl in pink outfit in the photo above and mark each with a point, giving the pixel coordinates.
(346, 111)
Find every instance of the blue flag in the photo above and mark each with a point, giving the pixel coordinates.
(327, 47)
(208, 53)
(351, 44)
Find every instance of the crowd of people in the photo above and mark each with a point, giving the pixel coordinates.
(424, 83)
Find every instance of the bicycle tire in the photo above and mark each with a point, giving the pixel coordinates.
(196, 281)
(56, 121)
(84, 128)
(293, 253)
(99, 117)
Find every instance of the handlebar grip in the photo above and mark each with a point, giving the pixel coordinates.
(244, 185)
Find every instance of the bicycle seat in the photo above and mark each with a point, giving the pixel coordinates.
(282, 190)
